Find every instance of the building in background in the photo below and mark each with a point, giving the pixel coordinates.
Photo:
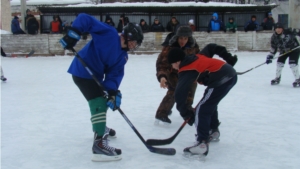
(6, 18)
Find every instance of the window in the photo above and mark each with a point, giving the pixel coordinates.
(284, 19)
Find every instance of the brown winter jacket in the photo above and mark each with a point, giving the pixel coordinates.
(164, 69)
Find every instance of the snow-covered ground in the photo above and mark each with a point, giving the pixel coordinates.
(45, 121)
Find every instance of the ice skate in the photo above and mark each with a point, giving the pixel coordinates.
(111, 132)
(198, 151)
(103, 152)
(214, 135)
(3, 78)
(164, 120)
(275, 81)
(297, 83)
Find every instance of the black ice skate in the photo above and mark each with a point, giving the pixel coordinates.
(3, 78)
(103, 152)
(276, 81)
(164, 120)
(214, 135)
(199, 150)
(111, 132)
(297, 83)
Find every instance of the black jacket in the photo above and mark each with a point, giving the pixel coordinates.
(157, 27)
(284, 42)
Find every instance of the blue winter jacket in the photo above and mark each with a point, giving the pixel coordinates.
(103, 54)
(215, 25)
(15, 25)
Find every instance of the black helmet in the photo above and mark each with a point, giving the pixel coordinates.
(279, 25)
(133, 31)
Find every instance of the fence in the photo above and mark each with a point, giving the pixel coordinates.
(48, 44)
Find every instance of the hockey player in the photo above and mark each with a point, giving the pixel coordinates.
(105, 55)
(284, 40)
(2, 74)
(217, 75)
(167, 77)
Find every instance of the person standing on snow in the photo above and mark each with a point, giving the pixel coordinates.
(167, 77)
(106, 56)
(217, 75)
(285, 40)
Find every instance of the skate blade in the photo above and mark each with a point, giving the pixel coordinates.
(105, 158)
(158, 122)
(190, 156)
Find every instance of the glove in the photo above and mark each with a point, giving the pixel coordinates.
(245, 30)
(208, 31)
(203, 78)
(233, 30)
(269, 58)
(232, 60)
(114, 99)
(189, 114)
(70, 39)
(224, 30)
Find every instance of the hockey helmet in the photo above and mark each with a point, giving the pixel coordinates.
(133, 32)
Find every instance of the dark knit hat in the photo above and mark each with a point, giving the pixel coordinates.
(175, 55)
(183, 31)
(279, 25)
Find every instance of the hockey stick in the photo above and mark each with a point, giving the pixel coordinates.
(29, 54)
(240, 73)
(156, 142)
(164, 151)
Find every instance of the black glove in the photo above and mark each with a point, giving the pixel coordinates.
(233, 30)
(208, 31)
(224, 30)
(70, 39)
(203, 78)
(269, 58)
(84, 36)
(245, 30)
(114, 99)
(232, 60)
(189, 114)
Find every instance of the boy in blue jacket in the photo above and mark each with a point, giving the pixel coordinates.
(215, 24)
(106, 56)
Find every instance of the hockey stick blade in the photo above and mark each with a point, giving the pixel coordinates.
(163, 151)
(159, 142)
(30, 53)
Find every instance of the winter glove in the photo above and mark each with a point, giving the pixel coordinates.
(232, 60)
(269, 58)
(84, 36)
(189, 114)
(224, 30)
(245, 30)
(114, 99)
(233, 30)
(70, 39)
(208, 31)
(203, 78)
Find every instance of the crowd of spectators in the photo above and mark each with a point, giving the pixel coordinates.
(214, 24)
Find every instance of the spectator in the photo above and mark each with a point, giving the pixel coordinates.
(157, 26)
(55, 25)
(28, 14)
(252, 25)
(144, 26)
(109, 21)
(215, 24)
(65, 27)
(122, 22)
(268, 23)
(32, 25)
(192, 25)
(172, 24)
(15, 27)
(231, 25)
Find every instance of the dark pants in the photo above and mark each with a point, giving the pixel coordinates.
(207, 109)
(2, 52)
(293, 57)
(88, 87)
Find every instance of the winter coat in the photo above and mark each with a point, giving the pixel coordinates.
(55, 27)
(172, 27)
(145, 27)
(32, 25)
(157, 27)
(103, 54)
(268, 23)
(231, 26)
(284, 42)
(15, 26)
(251, 26)
(215, 24)
(164, 69)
